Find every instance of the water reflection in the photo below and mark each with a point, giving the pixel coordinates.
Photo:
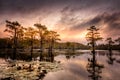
(94, 68)
(50, 56)
(70, 56)
(111, 59)
(74, 67)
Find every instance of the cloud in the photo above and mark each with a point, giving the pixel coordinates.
(29, 6)
(109, 23)
(21, 6)
(70, 17)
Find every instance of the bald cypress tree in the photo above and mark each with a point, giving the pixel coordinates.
(51, 37)
(41, 31)
(93, 67)
(13, 28)
(30, 35)
(118, 41)
(110, 43)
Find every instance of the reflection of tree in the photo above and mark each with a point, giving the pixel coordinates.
(111, 59)
(68, 57)
(8, 45)
(93, 67)
(70, 50)
(70, 47)
(110, 55)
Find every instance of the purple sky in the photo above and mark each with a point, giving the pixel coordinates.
(70, 18)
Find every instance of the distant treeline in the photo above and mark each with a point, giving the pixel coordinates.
(106, 47)
(6, 43)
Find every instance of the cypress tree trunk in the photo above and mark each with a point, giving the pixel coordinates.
(31, 51)
(50, 51)
(52, 55)
(41, 49)
(15, 46)
(93, 52)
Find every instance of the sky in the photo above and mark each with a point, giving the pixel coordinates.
(70, 18)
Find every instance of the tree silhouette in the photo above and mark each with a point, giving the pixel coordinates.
(20, 36)
(111, 59)
(41, 31)
(118, 40)
(13, 27)
(30, 35)
(51, 37)
(110, 43)
(93, 67)
(92, 36)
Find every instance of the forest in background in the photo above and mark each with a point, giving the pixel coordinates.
(5, 43)
(24, 41)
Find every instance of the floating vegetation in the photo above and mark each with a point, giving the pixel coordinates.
(34, 70)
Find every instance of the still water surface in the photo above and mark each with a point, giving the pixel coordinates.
(75, 66)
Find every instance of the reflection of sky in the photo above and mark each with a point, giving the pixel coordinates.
(75, 68)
